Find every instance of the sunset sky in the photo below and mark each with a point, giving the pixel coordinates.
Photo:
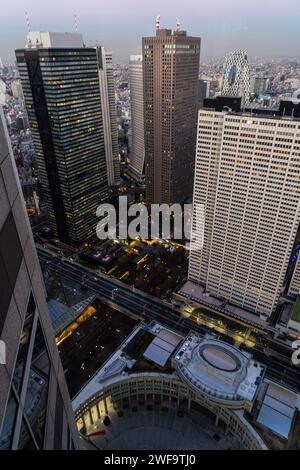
(265, 28)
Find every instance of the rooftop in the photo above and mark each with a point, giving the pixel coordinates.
(162, 346)
(218, 369)
(288, 109)
(62, 316)
(296, 310)
(277, 410)
(47, 39)
(196, 292)
(126, 356)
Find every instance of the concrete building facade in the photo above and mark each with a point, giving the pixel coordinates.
(247, 177)
(171, 69)
(109, 113)
(137, 153)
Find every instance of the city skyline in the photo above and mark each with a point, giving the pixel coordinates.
(258, 28)
(150, 228)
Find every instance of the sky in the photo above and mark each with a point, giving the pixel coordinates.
(265, 28)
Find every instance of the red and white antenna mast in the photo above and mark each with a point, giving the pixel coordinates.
(27, 21)
(177, 24)
(157, 23)
(75, 23)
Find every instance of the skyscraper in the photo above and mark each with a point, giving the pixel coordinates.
(203, 91)
(35, 408)
(61, 89)
(247, 177)
(260, 85)
(137, 153)
(109, 113)
(171, 68)
(237, 76)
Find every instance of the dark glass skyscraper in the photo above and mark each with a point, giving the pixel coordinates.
(62, 95)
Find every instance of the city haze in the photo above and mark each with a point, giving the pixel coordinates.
(265, 29)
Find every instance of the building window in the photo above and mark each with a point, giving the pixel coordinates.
(8, 427)
(24, 345)
(24, 423)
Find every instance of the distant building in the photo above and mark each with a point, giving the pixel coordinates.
(171, 69)
(16, 89)
(137, 153)
(2, 93)
(260, 85)
(109, 114)
(203, 91)
(246, 176)
(237, 77)
(60, 82)
(35, 408)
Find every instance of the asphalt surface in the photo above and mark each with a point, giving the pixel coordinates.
(151, 308)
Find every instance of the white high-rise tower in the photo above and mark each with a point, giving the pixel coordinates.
(137, 154)
(108, 105)
(247, 177)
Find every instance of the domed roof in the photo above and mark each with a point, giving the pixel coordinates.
(220, 358)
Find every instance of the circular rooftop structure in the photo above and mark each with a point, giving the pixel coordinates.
(220, 358)
(218, 369)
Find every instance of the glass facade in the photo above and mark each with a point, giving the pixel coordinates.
(25, 418)
(30, 382)
(62, 96)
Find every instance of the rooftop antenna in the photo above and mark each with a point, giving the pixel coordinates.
(157, 23)
(75, 23)
(177, 24)
(27, 21)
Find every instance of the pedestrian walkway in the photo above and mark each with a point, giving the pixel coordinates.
(158, 430)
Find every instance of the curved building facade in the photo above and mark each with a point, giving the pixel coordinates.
(165, 390)
(205, 379)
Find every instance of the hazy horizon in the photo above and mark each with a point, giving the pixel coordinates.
(264, 29)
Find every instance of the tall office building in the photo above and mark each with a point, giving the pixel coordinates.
(109, 113)
(61, 89)
(203, 91)
(247, 177)
(260, 85)
(171, 68)
(236, 81)
(16, 89)
(35, 408)
(137, 153)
